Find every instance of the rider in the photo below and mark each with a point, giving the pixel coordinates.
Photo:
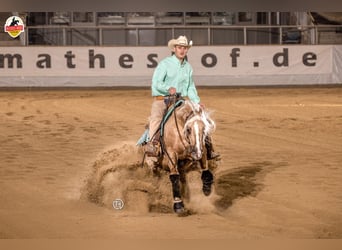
(172, 75)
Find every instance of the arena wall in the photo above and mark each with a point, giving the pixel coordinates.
(40, 66)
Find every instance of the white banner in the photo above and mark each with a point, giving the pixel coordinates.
(213, 65)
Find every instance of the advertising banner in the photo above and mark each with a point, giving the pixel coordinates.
(213, 65)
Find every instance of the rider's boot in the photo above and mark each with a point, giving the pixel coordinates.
(211, 154)
(152, 148)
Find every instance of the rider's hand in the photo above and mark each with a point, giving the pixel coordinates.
(172, 91)
(202, 105)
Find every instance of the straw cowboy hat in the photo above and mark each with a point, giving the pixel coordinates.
(181, 40)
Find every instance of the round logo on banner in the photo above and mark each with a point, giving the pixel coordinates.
(14, 26)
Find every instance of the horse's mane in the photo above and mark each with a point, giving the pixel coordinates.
(198, 113)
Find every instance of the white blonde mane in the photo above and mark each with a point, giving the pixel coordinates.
(202, 115)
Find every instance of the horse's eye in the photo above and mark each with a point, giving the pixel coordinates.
(188, 130)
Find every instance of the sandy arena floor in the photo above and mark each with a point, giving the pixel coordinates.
(280, 174)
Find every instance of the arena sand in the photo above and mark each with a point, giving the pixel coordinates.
(65, 155)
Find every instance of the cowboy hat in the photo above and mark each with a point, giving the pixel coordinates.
(181, 40)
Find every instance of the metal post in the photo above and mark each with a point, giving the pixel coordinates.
(245, 35)
(100, 37)
(278, 17)
(209, 38)
(137, 37)
(25, 39)
(64, 36)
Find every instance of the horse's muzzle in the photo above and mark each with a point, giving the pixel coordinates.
(196, 154)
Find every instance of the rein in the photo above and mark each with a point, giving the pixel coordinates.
(168, 114)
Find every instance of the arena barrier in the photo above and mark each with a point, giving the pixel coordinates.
(40, 66)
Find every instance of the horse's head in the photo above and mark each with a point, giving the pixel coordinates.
(196, 129)
(194, 134)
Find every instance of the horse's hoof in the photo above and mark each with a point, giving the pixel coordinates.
(206, 189)
(178, 206)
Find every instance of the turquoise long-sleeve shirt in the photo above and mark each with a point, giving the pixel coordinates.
(170, 72)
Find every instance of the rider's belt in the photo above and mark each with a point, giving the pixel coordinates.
(160, 97)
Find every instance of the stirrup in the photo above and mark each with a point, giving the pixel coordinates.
(214, 156)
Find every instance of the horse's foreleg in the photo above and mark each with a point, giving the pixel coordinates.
(207, 177)
(178, 205)
(207, 181)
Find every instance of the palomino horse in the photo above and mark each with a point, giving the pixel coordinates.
(182, 138)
